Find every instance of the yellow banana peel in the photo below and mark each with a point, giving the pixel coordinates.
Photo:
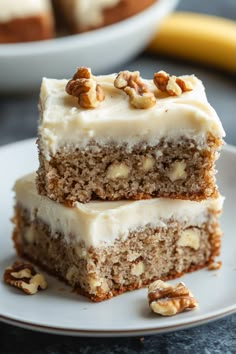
(205, 39)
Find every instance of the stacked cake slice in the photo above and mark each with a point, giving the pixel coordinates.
(125, 192)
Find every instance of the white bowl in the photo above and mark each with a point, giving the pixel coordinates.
(22, 65)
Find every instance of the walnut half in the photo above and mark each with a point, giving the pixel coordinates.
(168, 300)
(84, 86)
(23, 276)
(171, 84)
(140, 95)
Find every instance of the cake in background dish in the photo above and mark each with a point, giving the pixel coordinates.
(25, 20)
(85, 15)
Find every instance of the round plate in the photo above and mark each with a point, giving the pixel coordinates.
(59, 310)
(24, 64)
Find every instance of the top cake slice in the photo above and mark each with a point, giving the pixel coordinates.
(121, 137)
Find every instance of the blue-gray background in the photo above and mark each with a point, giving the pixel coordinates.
(18, 120)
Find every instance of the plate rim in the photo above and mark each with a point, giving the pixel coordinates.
(114, 333)
(117, 332)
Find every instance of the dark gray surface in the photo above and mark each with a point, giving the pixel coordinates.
(224, 8)
(214, 338)
(18, 120)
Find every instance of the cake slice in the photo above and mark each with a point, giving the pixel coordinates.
(25, 20)
(85, 15)
(117, 137)
(103, 249)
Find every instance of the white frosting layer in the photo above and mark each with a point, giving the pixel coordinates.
(101, 223)
(64, 123)
(86, 13)
(90, 12)
(11, 9)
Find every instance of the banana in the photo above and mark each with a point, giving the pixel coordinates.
(205, 39)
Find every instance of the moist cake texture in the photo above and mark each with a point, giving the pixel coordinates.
(116, 151)
(105, 248)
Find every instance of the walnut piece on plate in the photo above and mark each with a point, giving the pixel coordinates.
(23, 276)
(168, 300)
(214, 265)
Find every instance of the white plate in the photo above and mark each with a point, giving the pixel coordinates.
(58, 310)
(23, 65)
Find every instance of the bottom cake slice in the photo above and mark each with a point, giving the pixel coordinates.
(103, 249)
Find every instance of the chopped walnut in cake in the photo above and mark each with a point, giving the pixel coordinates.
(168, 300)
(139, 94)
(23, 276)
(171, 84)
(84, 86)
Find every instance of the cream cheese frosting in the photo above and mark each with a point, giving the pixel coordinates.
(86, 13)
(90, 12)
(64, 124)
(100, 223)
(11, 9)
